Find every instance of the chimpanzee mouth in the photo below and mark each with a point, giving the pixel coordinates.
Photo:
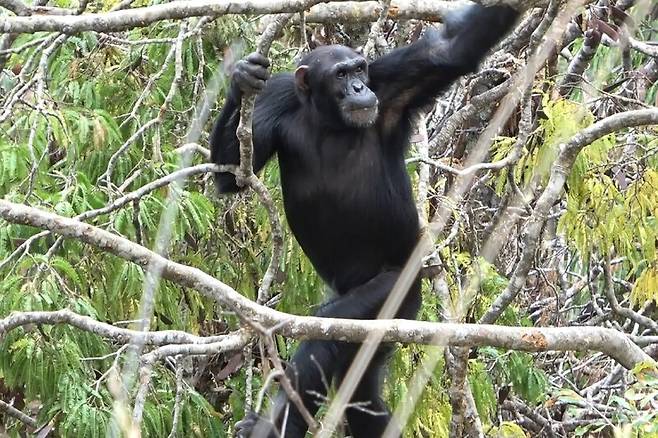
(362, 117)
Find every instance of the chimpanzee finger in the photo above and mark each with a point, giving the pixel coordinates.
(247, 82)
(255, 70)
(257, 58)
(254, 425)
(243, 428)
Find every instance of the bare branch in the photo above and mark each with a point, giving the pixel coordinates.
(376, 39)
(178, 402)
(468, 111)
(118, 20)
(231, 342)
(608, 341)
(108, 331)
(115, 21)
(277, 238)
(647, 49)
(357, 11)
(244, 130)
(580, 62)
(618, 308)
(285, 382)
(15, 413)
(245, 175)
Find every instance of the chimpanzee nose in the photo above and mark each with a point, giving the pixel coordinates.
(358, 87)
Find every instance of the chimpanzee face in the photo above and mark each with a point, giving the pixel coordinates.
(337, 79)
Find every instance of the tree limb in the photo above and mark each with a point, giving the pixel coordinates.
(608, 341)
(108, 331)
(140, 17)
(368, 11)
(20, 416)
(115, 21)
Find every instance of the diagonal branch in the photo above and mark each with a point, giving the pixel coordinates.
(20, 416)
(608, 341)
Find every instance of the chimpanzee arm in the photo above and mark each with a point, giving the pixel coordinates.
(411, 77)
(224, 144)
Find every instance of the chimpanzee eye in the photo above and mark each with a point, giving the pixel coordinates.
(340, 75)
(359, 70)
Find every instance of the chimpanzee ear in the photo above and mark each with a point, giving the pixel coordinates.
(300, 78)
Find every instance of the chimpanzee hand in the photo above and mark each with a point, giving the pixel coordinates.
(253, 422)
(251, 73)
(480, 21)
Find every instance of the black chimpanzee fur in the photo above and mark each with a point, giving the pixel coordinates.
(340, 127)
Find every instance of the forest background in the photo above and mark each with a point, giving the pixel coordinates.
(134, 301)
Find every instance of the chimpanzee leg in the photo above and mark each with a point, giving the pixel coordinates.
(316, 363)
(368, 415)
(365, 301)
(309, 371)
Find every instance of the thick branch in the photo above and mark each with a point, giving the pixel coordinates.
(608, 341)
(140, 17)
(114, 21)
(367, 11)
(13, 412)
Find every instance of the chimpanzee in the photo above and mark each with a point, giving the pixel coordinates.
(340, 127)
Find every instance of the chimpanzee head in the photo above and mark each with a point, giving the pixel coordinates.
(335, 80)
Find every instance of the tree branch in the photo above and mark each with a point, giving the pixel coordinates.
(231, 342)
(368, 11)
(108, 331)
(20, 416)
(608, 341)
(140, 17)
(115, 21)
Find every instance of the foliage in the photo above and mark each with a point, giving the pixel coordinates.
(507, 430)
(103, 88)
(635, 410)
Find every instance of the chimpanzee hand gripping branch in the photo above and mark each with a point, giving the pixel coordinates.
(340, 127)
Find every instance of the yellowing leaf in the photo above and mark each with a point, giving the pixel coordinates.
(508, 430)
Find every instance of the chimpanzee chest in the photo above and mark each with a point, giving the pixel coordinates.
(349, 203)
